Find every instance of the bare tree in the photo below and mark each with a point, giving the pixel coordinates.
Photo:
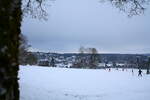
(94, 57)
(81, 50)
(131, 7)
(87, 58)
(23, 49)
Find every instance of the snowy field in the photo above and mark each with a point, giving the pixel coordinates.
(45, 83)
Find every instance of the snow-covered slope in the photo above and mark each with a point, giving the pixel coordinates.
(45, 83)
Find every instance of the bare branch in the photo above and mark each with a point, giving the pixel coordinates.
(131, 7)
(35, 8)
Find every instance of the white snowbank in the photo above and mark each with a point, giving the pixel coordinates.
(45, 83)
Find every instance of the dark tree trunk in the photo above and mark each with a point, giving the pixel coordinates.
(10, 22)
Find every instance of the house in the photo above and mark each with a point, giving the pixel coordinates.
(120, 65)
(101, 65)
(109, 64)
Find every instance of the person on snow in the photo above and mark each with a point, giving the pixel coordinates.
(132, 72)
(140, 72)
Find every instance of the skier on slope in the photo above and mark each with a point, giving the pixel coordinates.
(140, 72)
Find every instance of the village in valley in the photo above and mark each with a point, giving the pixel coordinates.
(78, 60)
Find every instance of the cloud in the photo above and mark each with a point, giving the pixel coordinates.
(72, 23)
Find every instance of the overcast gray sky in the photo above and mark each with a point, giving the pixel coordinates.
(75, 23)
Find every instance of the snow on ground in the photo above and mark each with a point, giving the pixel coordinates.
(45, 83)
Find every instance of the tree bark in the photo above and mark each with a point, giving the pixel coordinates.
(10, 23)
